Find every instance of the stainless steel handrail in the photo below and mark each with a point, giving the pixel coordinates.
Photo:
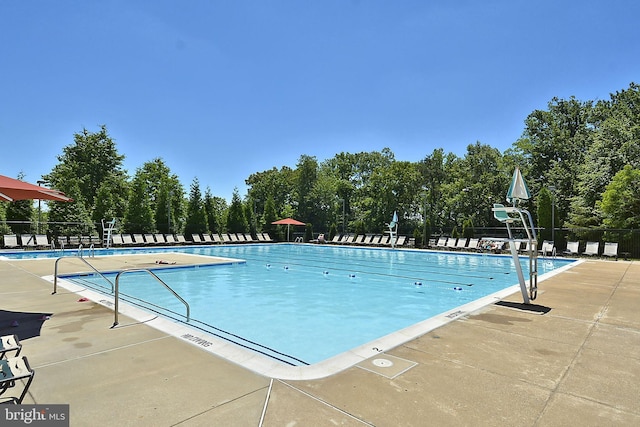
(132, 270)
(55, 272)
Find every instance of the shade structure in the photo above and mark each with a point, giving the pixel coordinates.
(288, 222)
(14, 189)
(518, 189)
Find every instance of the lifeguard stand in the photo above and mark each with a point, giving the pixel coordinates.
(107, 231)
(509, 215)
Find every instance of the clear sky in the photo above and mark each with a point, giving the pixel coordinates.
(223, 89)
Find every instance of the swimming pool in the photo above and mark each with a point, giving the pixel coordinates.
(307, 304)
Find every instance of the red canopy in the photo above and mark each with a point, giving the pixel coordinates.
(288, 222)
(13, 189)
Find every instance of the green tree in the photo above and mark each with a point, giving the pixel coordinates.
(270, 216)
(19, 214)
(544, 214)
(139, 216)
(620, 203)
(236, 220)
(70, 218)
(196, 221)
(86, 165)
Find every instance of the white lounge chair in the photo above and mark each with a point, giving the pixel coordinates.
(451, 243)
(170, 239)
(547, 248)
(206, 238)
(473, 244)
(216, 238)
(442, 243)
(149, 239)
(116, 240)
(592, 249)
(138, 239)
(572, 248)
(28, 241)
(127, 240)
(42, 241)
(10, 241)
(610, 250)
(461, 243)
(196, 238)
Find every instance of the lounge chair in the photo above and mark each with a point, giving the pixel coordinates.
(138, 239)
(170, 239)
(401, 240)
(526, 248)
(451, 243)
(181, 239)
(462, 243)
(267, 237)
(336, 239)
(13, 371)
(592, 249)
(127, 240)
(206, 238)
(9, 343)
(160, 240)
(116, 240)
(348, 238)
(572, 248)
(547, 248)
(28, 241)
(226, 238)
(385, 240)
(375, 240)
(442, 243)
(610, 249)
(195, 238)
(10, 241)
(74, 241)
(473, 244)
(216, 238)
(42, 241)
(248, 238)
(149, 239)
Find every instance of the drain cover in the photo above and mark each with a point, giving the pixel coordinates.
(382, 363)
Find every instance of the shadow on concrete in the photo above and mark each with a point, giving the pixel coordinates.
(23, 324)
(534, 308)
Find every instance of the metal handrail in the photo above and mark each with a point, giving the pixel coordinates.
(132, 270)
(55, 272)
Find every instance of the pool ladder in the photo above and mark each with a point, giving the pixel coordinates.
(115, 288)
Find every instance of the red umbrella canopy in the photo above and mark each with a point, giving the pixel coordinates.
(288, 221)
(13, 189)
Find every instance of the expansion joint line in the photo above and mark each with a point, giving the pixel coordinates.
(324, 402)
(580, 350)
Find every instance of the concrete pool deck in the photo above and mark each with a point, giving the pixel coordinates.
(573, 361)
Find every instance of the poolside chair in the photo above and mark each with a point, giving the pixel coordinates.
(116, 240)
(10, 241)
(127, 240)
(226, 238)
(42, 241)
(248, 237)
(610, 249)
(451, 243)
(195, 238)
(267, 237)
(206, 238)
(592, 249)
(336, 239)
(170, 239)
(13, 371)
(149, 239)
(572, 248)
(9, 343)
(547, 248)
(181, 239)
(462, 243)
(526, 247)
(216, 238)
(138, 239)
(401, 240)
(74, 241)
(385, 240)
(160, 240)
(442, 242)
(28, 241)
(473, 244)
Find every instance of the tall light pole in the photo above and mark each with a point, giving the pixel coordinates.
(169, 195)
(40, 182)
(553, 212)
(343, 214)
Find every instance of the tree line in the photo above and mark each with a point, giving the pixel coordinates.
(581, 160)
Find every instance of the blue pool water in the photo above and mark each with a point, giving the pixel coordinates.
(302, 304)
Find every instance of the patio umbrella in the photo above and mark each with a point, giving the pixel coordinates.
(518, 189)
(288, 222)
(13, 189)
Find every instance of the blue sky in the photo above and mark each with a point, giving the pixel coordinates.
(223, 89)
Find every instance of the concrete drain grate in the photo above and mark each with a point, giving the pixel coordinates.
(388, 366)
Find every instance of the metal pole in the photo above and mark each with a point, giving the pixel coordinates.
(169, 212)
(40, 182)
(553, 212)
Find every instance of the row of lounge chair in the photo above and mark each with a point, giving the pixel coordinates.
(610, 249)
(14, 371)
(367, 240)
(42, 241)
(170, 239)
